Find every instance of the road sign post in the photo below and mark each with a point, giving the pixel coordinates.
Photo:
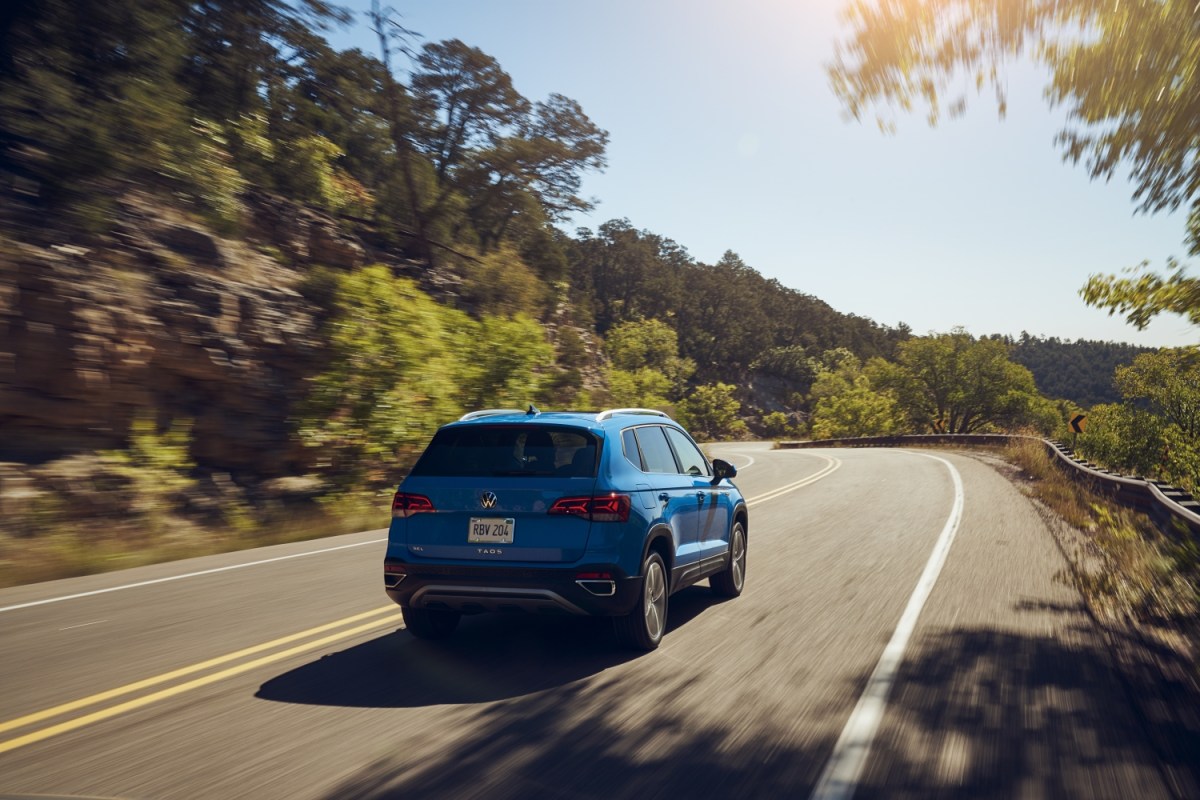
(1077, 426)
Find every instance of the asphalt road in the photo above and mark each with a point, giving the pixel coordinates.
(283, 672)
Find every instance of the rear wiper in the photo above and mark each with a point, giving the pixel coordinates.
(531, 472)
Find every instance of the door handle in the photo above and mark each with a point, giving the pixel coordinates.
(664, 497)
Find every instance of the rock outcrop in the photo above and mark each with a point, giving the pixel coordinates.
(165, 318)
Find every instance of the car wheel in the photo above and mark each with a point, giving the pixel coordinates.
(643, 628)
(729, 583)
(427, 623)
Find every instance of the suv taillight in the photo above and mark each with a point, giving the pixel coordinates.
(597, 508)
(405, 504)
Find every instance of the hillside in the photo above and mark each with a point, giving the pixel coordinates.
(1080, 371)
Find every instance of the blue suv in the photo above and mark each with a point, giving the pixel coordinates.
(563, 512)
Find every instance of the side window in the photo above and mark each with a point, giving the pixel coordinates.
(629, 445)
(655, 450)
(690, 457)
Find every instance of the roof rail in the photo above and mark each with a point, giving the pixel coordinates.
(612, 412)
(490, 412)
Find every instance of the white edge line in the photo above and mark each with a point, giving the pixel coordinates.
(749, 461)
(840, 778)
(187, 575)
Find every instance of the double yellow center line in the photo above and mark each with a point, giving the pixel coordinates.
(387, 615)
(831, 466)
(275, 650)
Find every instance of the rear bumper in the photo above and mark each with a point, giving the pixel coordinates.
(473, 590)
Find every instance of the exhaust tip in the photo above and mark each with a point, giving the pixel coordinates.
(599, 588)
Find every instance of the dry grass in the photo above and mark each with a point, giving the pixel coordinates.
(1122, 564)
(64, 548)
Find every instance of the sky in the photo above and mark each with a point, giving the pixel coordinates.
(725, 135)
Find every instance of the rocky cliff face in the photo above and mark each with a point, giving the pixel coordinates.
(159, 317)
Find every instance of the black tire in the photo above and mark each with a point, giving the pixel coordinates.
(643, 628)
(729, 583)
(426, 623)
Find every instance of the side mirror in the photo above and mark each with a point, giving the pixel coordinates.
(723, 469)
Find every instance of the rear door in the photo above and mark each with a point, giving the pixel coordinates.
(674, 494)
(492, 488)
(714, 504)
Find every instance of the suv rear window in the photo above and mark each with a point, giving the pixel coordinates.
(510, 450)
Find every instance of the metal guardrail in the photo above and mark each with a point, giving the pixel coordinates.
(1170, 506)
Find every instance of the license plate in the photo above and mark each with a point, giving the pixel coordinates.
(490, 530)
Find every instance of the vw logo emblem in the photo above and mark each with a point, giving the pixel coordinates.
(488, 500)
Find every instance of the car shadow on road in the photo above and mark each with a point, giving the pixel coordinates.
(490, 657)
(975, 713)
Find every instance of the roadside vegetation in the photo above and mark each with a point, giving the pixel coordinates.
(452, 286)
(1125, 567)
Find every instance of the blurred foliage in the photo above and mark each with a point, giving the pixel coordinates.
(500, 282)
(1144, 295)
(402, 364)
(1126, 73)
(505, 365)
(158, 462)
(208, 178)
(394, 355)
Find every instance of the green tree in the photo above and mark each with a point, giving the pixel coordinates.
(1124, 438)
(790, 362)
(777, 424)
(649, 344)
(711, 412)
(467, 100)
(646, 368)
(1170, 381)
(856, 411)
(511, 158)
(836, 372)
(967, 385)
(627, 274)
(640, 388)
